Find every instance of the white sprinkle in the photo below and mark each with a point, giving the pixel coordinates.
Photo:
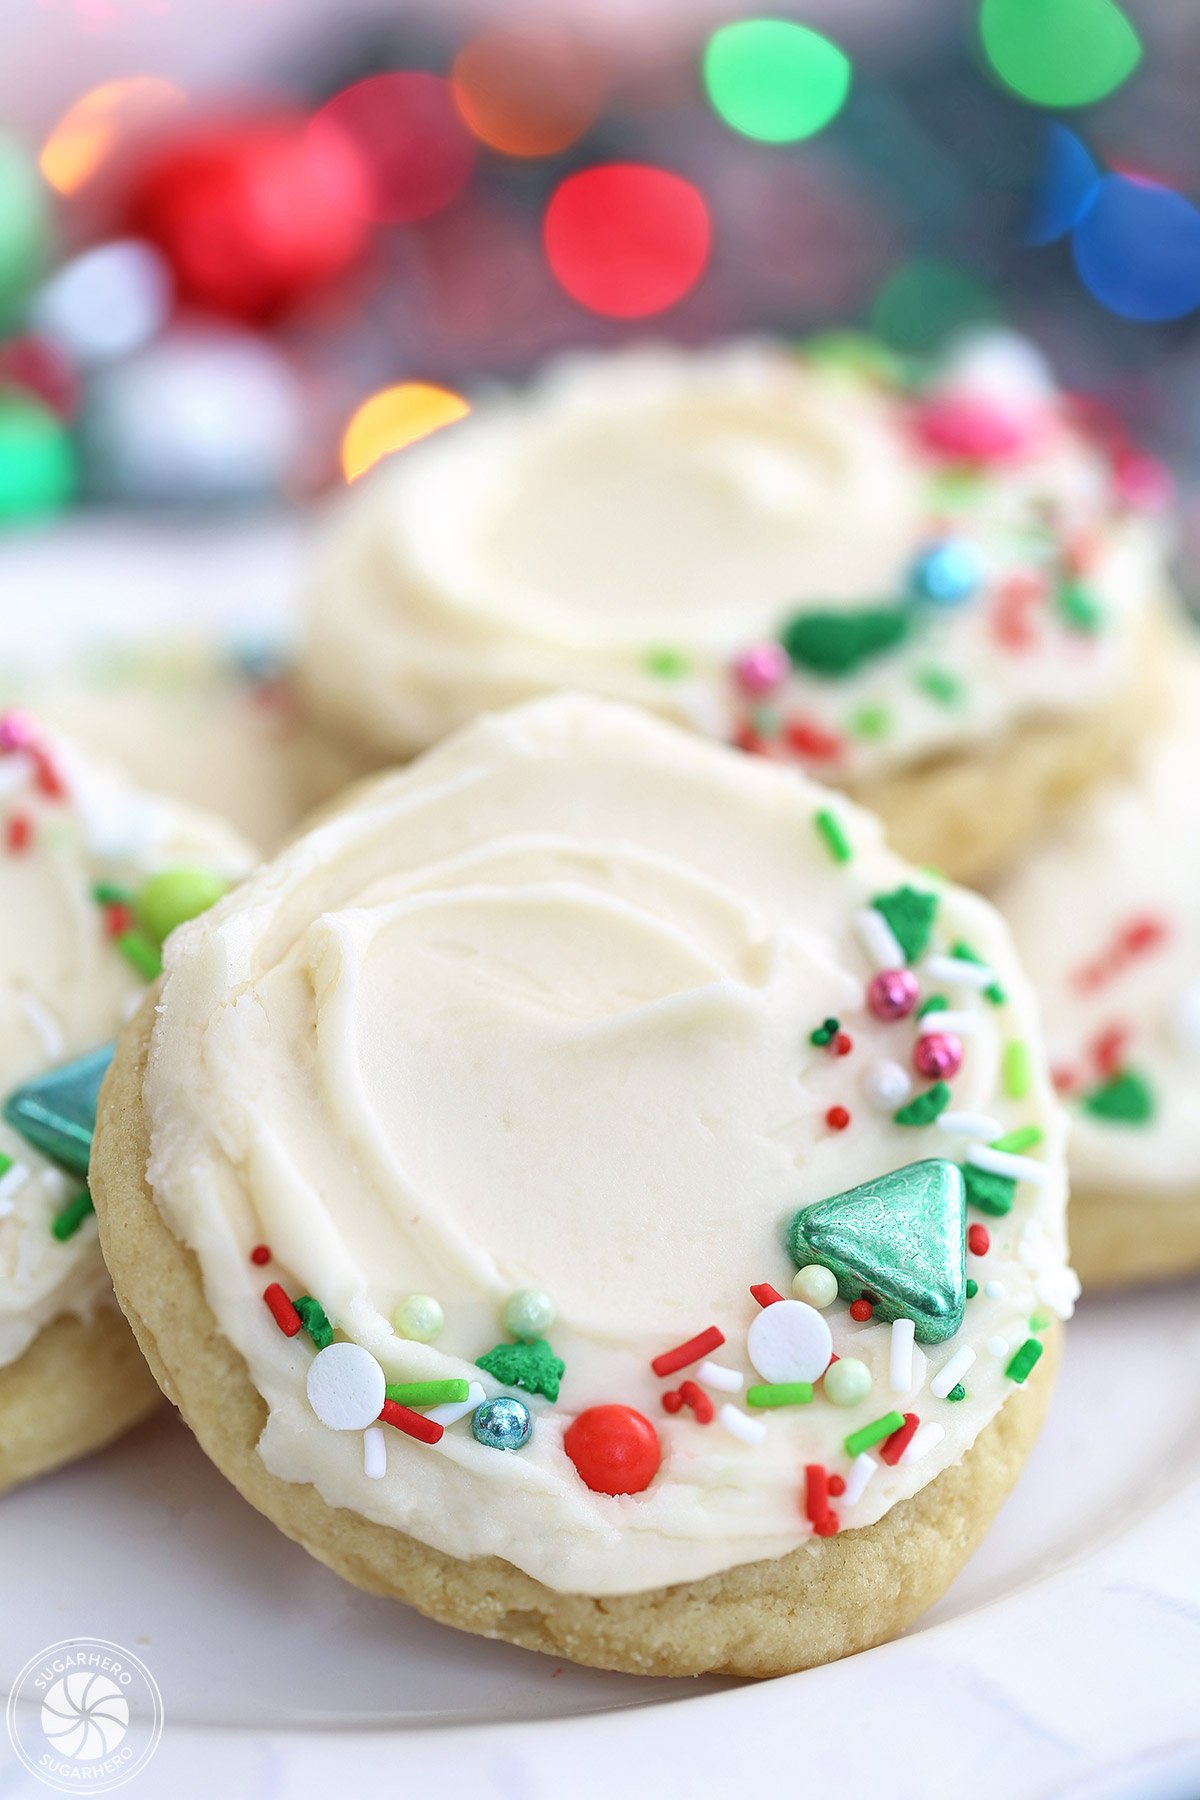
(997, 1346)
(924, 1439)
(15, 770)
(451, 1411)
(716, 1375)
(957, 968)
(374, 1453)
(10, 1181)
(740, 1425)
(966, 1124)
(1003, 1162)
(345, 1387)
(878, 939)
(1187, 1017)
(952, 1372)
(861, 1471)
(789, 1341)
(995, 1290)
(903, 1339)
(886, 1085)
(43, 1024)
(962, 1024)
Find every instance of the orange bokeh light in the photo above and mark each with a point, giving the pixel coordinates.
(394, 418)
(89, 130)
(528, 92)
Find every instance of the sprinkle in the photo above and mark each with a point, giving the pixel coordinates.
(951, 1372)
(1024, 1138)
(966, 1124)
(861, 1471)
(427, 1393)
(887, 1085)
(780, 1393)
(962, 1024)
(900, 1439)
(761, 669)
(736, 1422)
(810, 740)
(830, 829)
(960, 969)
(716, 1375)
(940, 685)
(871, 722)
(816, 1500)
(1078, 607)
(878, 939)
(260, 1254)
(1000, 1162)
(314, 1319)
(454, 1410)
(140, 954)
(1023, 1360)
(972, 1287)
(824, 1033)
(1127, 1100)
(13, 1176)
(672, 1400)
(909, 915)
(695, 1348)
(666, 663)
(1017, 1071)
(832, 644)
(43, 1024)
(995, 1290)
(861, 1311)
(836, 1486)
(765, 1294)
(957, 1392)
(978, 1240)
(993, 992)
(901, 1355)
(66, 1223)
(282, 1310)
(837, 1118)
(699, 1402)
(19, 833)
(345, 1386)
(997, 1346)
(992, 1194)
(927, 1438)
(374, 1453)
(874, 1433)
(532, 1366)
(413, 1424)
(842, 1044)
(933, 1003)
(926, 1107)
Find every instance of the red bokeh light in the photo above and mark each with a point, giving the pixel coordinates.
(407, 129)
(627, 240)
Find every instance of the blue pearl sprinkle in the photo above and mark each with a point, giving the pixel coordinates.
(502, 1424)
(949, 571)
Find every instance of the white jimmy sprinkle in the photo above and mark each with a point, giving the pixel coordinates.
(43, 1024)
(15, 770)
(1004, 1162)
(878, 939)
(961, 1023)
(451, 1411)
(716, 1375)
(10, 1181)
(740, 1425)
(968, 1124)
(924, 1439)
(957, 968)
(374, 1453)
(952, 1372)
(861, 1471)
(1187, 1017)
(903, 1339)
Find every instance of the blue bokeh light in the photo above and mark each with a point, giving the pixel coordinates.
(1066, 185)
(1137, 249)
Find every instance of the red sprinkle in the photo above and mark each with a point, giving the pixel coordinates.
(837, 1118)
(48, 778)
(698, 1400)
(1108, 1048)
(816, 1500)
(260, 1255)
(118, 919)
(747, 739)
(673, 1400)
(20, 832)
(1140, 934)
(765, 1294)
(837, 1487)
(861, 1310)
(978, 1241)
(811, 740)
(1015, 598)
(426, 1431)
(282, 1310)
(683, 1354)
(842, 1044)
(894, 1447)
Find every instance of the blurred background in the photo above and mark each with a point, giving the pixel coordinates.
(250, 247)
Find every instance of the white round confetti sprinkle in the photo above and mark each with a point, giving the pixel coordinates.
(997, 1346)
(345, 1387)
(789, 1341)
(887, 1085)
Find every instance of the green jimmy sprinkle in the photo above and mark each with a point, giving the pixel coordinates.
(427, 1393)
(780, 1393)
(1017, 1069)
(1022, 1360)
(830, 830)
(874, 1433)
(66, 1223)
(1024, 1138)
(141, 954)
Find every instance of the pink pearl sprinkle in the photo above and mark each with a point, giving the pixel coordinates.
(18, 731)
(938, 1056)
(762, 668)
(892, 993)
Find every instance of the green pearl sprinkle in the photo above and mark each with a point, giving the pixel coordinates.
(419, 1318)
(173, 896)
(847, 1381)
(528, 1314)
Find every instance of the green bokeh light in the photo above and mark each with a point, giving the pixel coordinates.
(775, 80)
(1059, 52)
(24, 222)
(37, 459)
(925, 302)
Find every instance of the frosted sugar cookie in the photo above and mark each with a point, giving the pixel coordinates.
(92, 874)
(939, 597)
(508, 1162)
(1107, 918)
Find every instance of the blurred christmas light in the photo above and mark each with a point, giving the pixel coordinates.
(925, 302)
(1066, 184)
(627, 240)
(416, 150)
(40, 369)
(24, 221)
(250, 214)
(37, 459)
(528, 93)
(1059, 52)
(105, 303)
(775, 80)
(87, 133)
(1137, 250)
(393, 419)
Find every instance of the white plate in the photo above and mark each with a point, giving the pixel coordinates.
(1064, 1662)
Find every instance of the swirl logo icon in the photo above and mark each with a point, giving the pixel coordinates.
(85, 1713)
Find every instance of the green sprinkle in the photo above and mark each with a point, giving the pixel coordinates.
(871, 722)
(1024, 1138)
(667, 664)
(109, 893)
(1078, 607)
(780, 1393)
(972, 1288)
(837, 643)
(1039, 1321)
(935, 1003)
(910, 915)
(941, 685)
(66, 1223)
(957, 1392)
(314, 1320)
(138, 951)
(766, 721)
(1022, 1360)
(825, 1033)
(1125, 1100)
(6, 1163)
(990, 1193)
(995, 993)
(874, 1433)
(173, 896)
(830, 829)
(532, 1366)
(924, 1109)
(1017, 1070)
(426, 1393)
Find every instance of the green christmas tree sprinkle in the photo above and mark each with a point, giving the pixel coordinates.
(532, 1366)
(924, 1109)
(1127, 1099)
(834, 644)
(990, 1193)
(910, 915)
(314, 1320)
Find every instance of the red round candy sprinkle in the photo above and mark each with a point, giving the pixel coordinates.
(260, 1255)
(861, 1310)
(835, 1487)
(615, 1449)
(978, 1241)
(672, 1400)
(842, 1044)
(837, 1118)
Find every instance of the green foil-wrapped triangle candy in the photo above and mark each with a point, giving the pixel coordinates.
(901, 1239)
(56, 1112)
